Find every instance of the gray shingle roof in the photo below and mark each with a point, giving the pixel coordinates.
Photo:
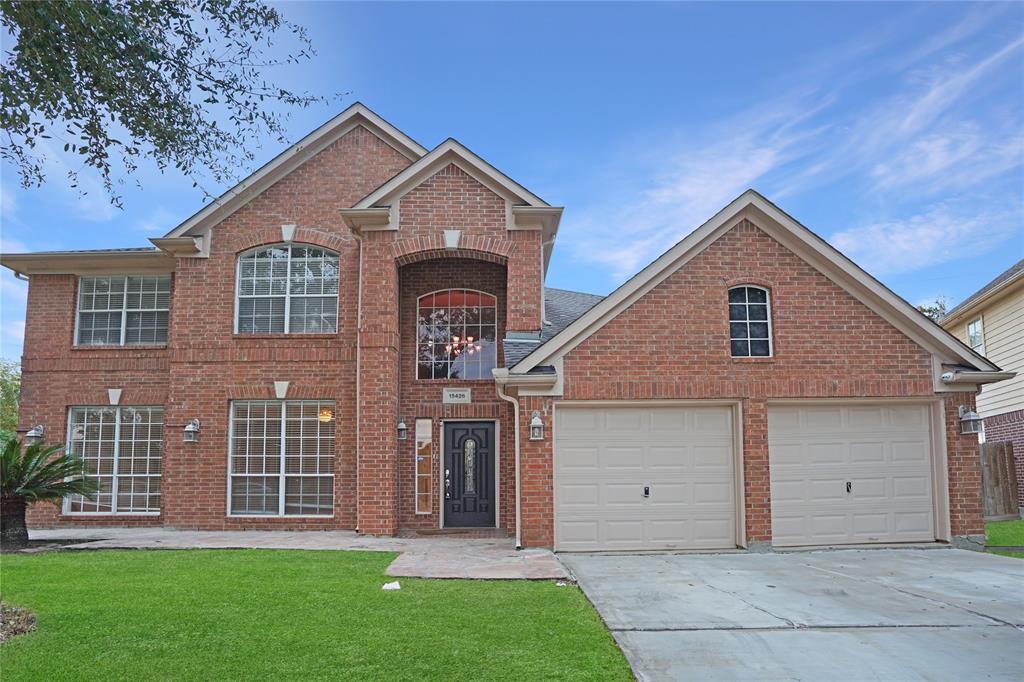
(561, 308)
(1013, 270)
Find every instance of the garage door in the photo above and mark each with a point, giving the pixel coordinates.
(607, 458)
(844, 474)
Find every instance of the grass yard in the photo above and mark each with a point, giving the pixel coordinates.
(267, 614)
(1005, 534)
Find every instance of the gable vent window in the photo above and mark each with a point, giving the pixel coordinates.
(287, 289)
(123, 311)
(750, 325)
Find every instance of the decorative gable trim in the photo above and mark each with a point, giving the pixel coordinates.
(287, 161)
(450, 152)
(795, 237)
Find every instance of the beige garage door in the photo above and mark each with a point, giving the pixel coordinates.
(607, 458)
(844, 474)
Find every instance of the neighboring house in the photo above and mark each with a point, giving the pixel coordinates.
(991, 322)
(358, 336)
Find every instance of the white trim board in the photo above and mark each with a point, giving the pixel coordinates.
(795, 237)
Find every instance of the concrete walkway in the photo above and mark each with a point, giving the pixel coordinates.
(939, 614)
(440, 557)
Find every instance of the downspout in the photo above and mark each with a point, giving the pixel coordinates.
(359, 325)
(515, 410)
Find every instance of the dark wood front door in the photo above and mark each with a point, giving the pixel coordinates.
(468, 474)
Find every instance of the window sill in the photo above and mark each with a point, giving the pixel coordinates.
(117, 514)
(458, 382)
(283, 336)
(284, 517)
(139, 346)
(755, 361)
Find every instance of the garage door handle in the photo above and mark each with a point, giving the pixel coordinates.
(849, 486)
(647, 491)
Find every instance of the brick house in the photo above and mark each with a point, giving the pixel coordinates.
(991, 321)
(358, 336)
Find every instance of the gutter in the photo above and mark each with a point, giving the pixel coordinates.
(975, 377)
(500, 388)
(359, 325)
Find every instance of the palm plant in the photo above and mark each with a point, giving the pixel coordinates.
(36, 473)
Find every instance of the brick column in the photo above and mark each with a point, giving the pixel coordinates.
(756, 476)
(525, 288)
(963, 460)
(377, 508)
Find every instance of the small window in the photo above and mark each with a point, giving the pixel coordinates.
(976, 336)
(288, 289)
(121, 449)
(750, 325)
(123, 311)
(457, 332)
(282, 458)
(424, 464)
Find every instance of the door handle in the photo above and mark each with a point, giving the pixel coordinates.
(647, 491)
(849, 486)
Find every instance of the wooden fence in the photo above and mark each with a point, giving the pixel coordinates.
(999, 481)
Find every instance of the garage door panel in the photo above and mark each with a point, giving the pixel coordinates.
(681, 454)
(883, 451)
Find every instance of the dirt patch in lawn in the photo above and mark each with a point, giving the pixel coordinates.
(15, 621)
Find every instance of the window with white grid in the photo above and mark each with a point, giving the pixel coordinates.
(282, 458)
(288, 289)
(123, 310)
(122, 451)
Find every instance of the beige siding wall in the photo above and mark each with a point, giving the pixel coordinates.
(1003, 326)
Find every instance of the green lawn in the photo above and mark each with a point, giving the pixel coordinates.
(264, 614)
(1005, 533)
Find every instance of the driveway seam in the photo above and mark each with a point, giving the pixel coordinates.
(910, 593)
(779, 628)
(763, 610)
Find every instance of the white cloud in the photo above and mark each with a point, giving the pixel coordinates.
(159, 222)
(12, 245)
(13, 335)
(937, 236)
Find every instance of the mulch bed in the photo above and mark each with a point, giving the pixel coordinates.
(15, 621)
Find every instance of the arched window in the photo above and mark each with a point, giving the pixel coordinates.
(288, 289)
(457, 333)
(750, 322)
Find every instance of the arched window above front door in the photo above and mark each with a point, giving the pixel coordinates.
(457, 334)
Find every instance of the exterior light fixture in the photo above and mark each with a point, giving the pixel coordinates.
(403, 431)
(536, 427)
(35, 435)
(970, 421)
(192, 431)
(326, 414)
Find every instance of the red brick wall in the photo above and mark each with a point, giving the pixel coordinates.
(1009, 427)
(673, 344)
(204, 365)
(422, 398)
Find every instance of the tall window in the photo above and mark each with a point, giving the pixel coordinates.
(457, 335)
(424, 464)
(122, 451)
(120, 310)
(976, 336)
(750, 325)
(282, 458)
(288, 289)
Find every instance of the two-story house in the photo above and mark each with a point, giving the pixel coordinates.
(991, 322)
(358, 336)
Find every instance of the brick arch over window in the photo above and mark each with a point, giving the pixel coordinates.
(287, 288)
(416, 249)
(271, 236)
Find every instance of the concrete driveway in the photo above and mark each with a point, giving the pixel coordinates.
(885, 614)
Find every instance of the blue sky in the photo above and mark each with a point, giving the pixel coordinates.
(896, 131)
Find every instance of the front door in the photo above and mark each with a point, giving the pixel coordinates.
(468, 474)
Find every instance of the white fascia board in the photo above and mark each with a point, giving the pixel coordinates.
(295, 156)
(450, 151)
(814, 250)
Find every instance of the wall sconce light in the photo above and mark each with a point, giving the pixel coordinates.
(970, 421)
(326, 414)
(35, 435)
(192, 431)
(403, 431)
(536, 427)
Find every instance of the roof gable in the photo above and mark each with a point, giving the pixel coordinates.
(293, 157)
(795, 237)
(450, 151)
(997, 286)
